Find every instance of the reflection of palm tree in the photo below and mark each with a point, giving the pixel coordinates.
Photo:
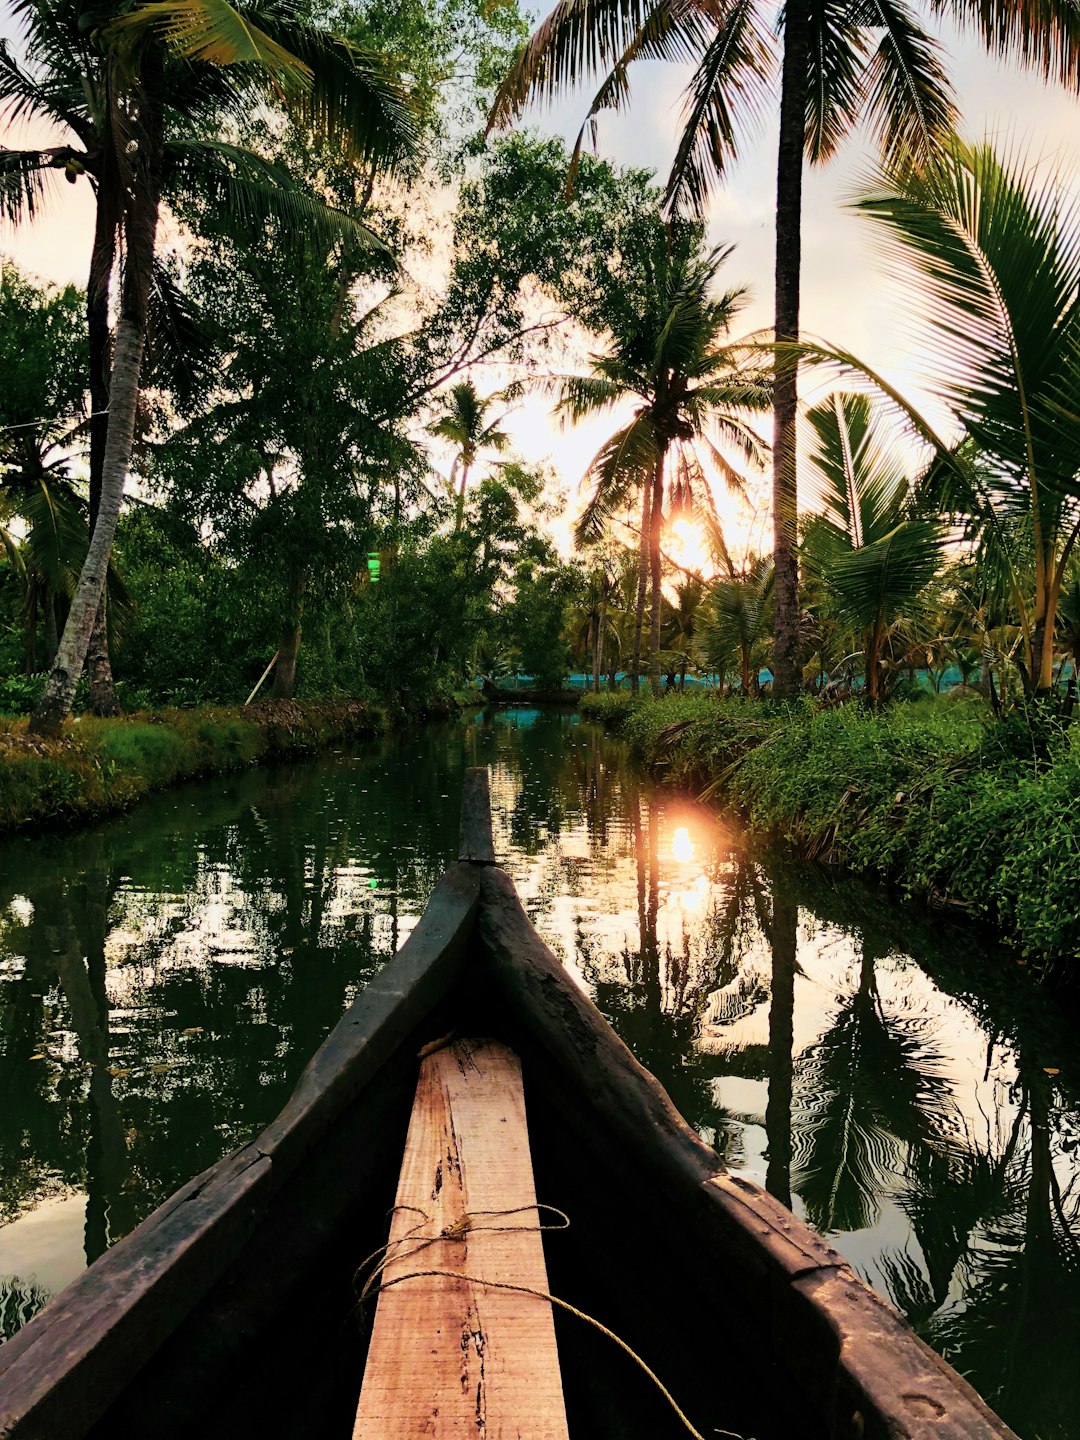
(107, 1167)
(20, 1301)
(869, 1087)
(1017, 1333)
(783, 941)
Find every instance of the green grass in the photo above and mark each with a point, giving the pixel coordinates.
(97, 767)
(933, 796)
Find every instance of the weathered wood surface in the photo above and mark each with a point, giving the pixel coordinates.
(454, 1357)
(855, 1357)
(62, 1370)
(476, 844)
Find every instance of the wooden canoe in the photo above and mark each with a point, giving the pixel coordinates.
(232, 1309)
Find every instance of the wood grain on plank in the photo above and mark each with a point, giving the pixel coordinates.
(450, 1357)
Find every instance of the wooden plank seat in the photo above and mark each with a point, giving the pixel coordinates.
(449, 1354)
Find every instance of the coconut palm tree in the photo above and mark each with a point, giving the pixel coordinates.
(466, 425)
(994, 244)
(113, 85)
(859, 61)
(874, 558)
(737, 620)
(693, 390)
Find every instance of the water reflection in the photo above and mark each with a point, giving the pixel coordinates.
(164, 978)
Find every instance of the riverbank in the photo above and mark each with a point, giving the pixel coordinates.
(935, 798)
(99, 767)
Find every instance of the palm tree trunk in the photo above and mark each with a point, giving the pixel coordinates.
(459, 517)
(656, 521)
(56, 703)
(141, 207)
(102, 699)
(789, 175)
(598, 650)
(289, 645)
(642, 586)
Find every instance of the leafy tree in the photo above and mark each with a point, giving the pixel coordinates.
(287, 451)
(875, 558)
(109, 85)
(42, 407)
(995, 248)
(669, 353)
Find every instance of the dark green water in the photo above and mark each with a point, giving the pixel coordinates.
(164, 978)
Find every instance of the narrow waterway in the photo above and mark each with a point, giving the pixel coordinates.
(165, 977)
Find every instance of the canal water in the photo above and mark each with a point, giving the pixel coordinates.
(907, 1088)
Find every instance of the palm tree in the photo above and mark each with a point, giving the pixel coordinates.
(736, 622)
(859, 60)
(117, 88)
(692, 388)
(995, 247)
(465, 424)
(874, 558)
(684, 614)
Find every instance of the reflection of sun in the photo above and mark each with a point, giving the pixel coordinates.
(682, 847)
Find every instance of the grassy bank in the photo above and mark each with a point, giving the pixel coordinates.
(934, 797)
(100, 766)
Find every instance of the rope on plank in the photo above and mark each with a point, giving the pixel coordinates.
(457, 1231)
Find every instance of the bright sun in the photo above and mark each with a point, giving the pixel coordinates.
(686, 544)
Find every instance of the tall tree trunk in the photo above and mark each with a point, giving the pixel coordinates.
(598, 651)
(789, 175)
(656, 522)
(642, 586)
(140, 228)
(102, 699)
(459, 517)
(289, 644)
(30, 633)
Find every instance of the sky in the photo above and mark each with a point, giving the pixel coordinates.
(846, 297)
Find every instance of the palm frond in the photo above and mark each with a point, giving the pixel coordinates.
(23, 97)
(257, 191)
(909, 102)
(354, 101)
(834, 83)
(26, 177)
(582, 395)
(723, 100)
(879, 580)
(213, 32)
(578, 38)
(1044, 34)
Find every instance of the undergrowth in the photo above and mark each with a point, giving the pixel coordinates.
(99, 766)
